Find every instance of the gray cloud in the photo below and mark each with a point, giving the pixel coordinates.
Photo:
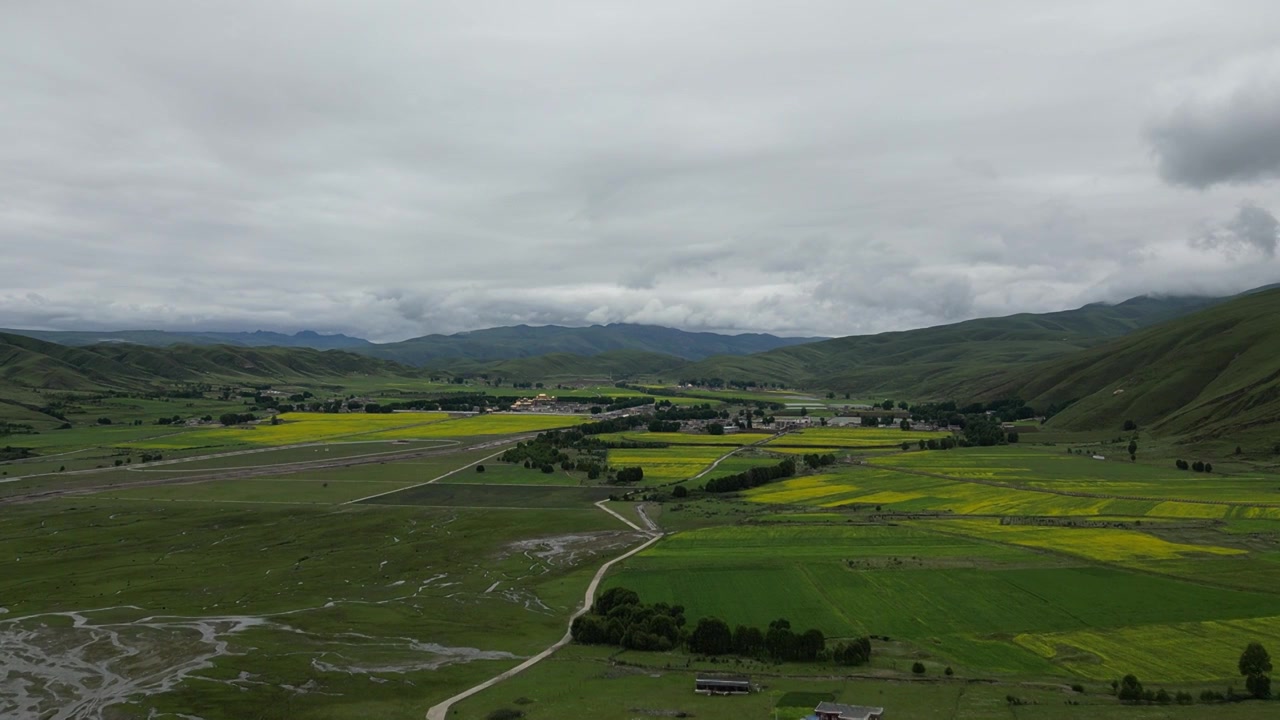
(1252, 229)
(412, 167)
(1223, 129)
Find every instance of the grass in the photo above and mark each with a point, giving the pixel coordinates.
(515, 497)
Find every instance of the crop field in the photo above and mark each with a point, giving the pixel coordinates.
(1102, 544)
(1186, 652)
(678, 438)
(834, 437)
(294, 428)
(480, 425)
(664, 465)
(907, 492)
(1043, 468)
(963, 601)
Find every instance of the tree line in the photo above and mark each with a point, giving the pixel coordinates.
(618, 618)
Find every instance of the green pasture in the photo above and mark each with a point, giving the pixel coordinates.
(514, 497)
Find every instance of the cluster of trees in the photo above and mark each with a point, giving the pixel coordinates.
(814, 461)
(664, 426)
(1254, 665)
(229, 419)
(984, 430)
(751, 478)
(1198, 466)
(629, 475)
(619, 618)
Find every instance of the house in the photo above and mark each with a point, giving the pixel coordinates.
(722, 685)
(840, 711)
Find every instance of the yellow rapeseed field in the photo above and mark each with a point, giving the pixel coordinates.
(295, 428)
(1103, 544)
(487, 424)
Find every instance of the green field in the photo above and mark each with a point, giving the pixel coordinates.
(852, 437)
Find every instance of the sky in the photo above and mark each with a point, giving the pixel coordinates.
(391, 169)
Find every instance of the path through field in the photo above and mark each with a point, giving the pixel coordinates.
(441, 710)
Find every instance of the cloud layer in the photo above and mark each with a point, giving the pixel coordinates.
(394, 169)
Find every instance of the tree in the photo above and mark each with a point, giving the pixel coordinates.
(905, 424)
(680, 491)
(747, 641)
(479, 468)
(1254, 664)
(1130, 425)
(917, 667)
(1182, 465)
(1239, 450)
(1198, 466)
(1130, 689)
(715, 429)
(1133, 447)
(711, 637)
(887, 404)
(1208, 467)
(1012, 438)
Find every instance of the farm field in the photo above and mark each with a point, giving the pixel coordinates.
(666, 465)
(837, 578)
(479, 425)
(294, 428)
(836, 437)
(679, 438)
(510, 497)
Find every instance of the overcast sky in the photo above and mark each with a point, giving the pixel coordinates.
(393, 169)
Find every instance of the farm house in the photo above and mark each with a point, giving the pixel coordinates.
(840, 711)
(726, 685)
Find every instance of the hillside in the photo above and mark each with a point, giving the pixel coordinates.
(946, 360)
(162, 338)
(35, 364)
(1211, 374)
(523, 341)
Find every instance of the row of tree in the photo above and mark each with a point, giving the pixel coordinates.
(753, 477)
(619, 618)
(1198, 466)
(1254, 665)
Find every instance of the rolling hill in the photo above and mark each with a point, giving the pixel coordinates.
(522, 341)
(946, 360)
(163, 338)
(1211, 374)
(30, 363)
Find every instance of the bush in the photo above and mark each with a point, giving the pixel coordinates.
(680, 491)
(948, 672)
(1198, 466)
(479, 468)
(917, 668)
(1130, 425)
(1077, 688)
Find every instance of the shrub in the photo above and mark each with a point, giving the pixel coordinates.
(680, 491)
(479, 468)
(1077, 688)
(948, 672)
(917, 668)
(505, 714)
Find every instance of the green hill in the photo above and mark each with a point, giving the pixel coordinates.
(945, 360)
(164, 338)
(1212, 374)
(35, 364)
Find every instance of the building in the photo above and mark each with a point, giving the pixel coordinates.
(722, 685)
(840, 711)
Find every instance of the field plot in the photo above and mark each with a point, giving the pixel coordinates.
(1102, 544)
(1047, 469)
(294, 428)
(963, 601)
(515, 497)
(266, 457)
(479, 425)
(678, 438)
(664, 465)
(833, 437)
(1187, 652)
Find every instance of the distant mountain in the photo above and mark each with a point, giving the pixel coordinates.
(163, 338)
(523, 341)
(1214, 374)
(947, 360)
(607, 366)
